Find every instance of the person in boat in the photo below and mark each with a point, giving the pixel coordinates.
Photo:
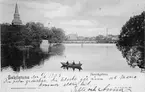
(67, 63)
(79, 62)
(73, 63)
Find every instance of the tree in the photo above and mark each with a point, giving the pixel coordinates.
(131, 41)
(34, 31)
(57, 35)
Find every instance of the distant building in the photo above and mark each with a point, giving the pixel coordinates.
(72, 37)
(113, 37)
(16, 20)
(81, 38)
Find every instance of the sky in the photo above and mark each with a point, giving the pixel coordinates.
(82, 17)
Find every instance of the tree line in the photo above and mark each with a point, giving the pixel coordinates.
(30, 34)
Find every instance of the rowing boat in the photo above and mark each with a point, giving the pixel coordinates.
(71, 64)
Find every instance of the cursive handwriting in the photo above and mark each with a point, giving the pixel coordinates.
(91, 82)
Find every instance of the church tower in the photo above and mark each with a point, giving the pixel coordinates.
(16, 20)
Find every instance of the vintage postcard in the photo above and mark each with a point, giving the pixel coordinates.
(72, 45)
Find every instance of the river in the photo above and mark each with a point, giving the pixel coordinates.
(94, 57)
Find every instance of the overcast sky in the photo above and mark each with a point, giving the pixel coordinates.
(84, 17)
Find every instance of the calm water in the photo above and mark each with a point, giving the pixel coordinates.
(94, 57)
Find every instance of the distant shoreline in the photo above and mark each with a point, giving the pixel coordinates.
(80, 43)
(87, 43)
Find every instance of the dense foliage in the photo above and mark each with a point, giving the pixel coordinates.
(55, 35)
(30, 34)
(131, 41)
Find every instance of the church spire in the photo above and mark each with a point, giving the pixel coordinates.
(16, 20)
(16, 9)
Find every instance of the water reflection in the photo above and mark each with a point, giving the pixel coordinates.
(19, 58)
(57, 49)
(66, 67)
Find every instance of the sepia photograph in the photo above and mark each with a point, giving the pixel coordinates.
(72, 36)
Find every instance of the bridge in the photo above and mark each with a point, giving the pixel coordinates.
(80, 42)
